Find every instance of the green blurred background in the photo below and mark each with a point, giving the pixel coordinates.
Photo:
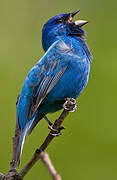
(87, 150)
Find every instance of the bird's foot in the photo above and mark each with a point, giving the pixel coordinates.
(70, 104)
(56, 132)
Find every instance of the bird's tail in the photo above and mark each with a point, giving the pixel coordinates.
(27, 130)
(21, 140)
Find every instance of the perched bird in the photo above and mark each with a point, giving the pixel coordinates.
(61, 73)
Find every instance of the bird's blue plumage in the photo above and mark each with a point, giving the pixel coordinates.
(62, 72)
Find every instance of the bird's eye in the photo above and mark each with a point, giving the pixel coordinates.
(59, 21)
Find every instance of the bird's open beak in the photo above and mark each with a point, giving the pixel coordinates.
(74, 13)
(71, 15)
(78, 22)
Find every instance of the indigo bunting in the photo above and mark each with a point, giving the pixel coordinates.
(61, 73)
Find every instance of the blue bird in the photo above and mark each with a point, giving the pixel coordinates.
(61, 73)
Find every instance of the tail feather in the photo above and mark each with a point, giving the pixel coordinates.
(20, 147)
(27, 130)
(21, 141)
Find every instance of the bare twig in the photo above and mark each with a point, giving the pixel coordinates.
(49, 138)
(46, 160)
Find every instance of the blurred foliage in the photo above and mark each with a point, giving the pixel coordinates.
(88, 147)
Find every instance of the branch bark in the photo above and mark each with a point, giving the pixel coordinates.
(47, 162)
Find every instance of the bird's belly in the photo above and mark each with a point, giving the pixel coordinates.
(71, 84)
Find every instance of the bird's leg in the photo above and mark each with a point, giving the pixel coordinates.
(57, 132)
(70, 104)
(48, 121)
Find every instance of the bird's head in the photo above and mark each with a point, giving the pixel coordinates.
(60, 25)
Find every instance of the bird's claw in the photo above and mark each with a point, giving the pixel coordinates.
(70, 104)
(56, 132)
(52, 129)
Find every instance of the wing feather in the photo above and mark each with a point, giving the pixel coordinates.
(51, 70)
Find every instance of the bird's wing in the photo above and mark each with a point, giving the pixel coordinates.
(39, 82)
(51, 67)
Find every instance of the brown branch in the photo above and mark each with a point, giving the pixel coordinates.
(49, 138)
(47, 162)
(12, 175)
